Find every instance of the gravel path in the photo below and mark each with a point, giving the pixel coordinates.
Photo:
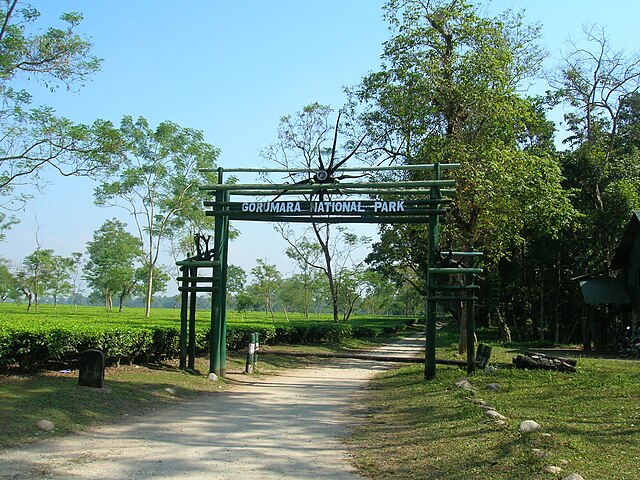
(286, 426)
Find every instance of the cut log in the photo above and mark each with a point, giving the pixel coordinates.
(568, 361)
(537, 362)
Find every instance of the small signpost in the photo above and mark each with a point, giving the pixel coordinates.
(323, 198)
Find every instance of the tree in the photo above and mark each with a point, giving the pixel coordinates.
(7, 281)
(157, 183)
(447, 93)
(36, 275)
(60, 277)
(35, 139)
(600, 88)
(301, 141)
(110, 267)
(76, 272)
(267, 280)
(236, 281)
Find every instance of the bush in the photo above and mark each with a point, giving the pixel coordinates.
(35, 341)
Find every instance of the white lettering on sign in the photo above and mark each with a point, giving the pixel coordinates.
(271, 207)
(397, 206)
(324, 207)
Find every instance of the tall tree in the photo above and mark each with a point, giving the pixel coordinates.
(112, 255)
(236, 281)
(33, 140)
(36, 274)
(7, 281)
(60, 278)
(599, 87)
(267, 280)
(303, 140)
(447, 93)
(157, 183)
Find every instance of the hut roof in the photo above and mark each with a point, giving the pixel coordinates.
(621, 256)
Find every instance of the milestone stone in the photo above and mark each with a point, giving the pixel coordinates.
(91, 372)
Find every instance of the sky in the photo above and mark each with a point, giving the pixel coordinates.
(231, 69)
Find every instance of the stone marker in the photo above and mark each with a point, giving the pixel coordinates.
(91, 369)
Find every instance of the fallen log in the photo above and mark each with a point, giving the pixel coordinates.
(569, 361)
(537, 362)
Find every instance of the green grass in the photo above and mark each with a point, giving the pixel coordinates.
(417, 429)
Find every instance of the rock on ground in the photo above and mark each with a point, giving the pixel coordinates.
(45, 426)
(529, 426)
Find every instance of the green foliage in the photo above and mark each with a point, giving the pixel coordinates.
(112, 255)
(33, 139)
(157, 183)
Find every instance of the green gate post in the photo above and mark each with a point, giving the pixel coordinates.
(222, 291)
(471, 326)
(218, 358)
(183, 319)
(193, 273)
(432, 281)
(216, 319)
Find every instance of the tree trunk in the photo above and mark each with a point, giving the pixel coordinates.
(29, 299)
(503, 328)
(462, 343)
(147, 304)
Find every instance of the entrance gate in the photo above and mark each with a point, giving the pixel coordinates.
(313, 201)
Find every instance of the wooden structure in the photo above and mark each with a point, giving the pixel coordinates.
(323, 197)
(621, 290)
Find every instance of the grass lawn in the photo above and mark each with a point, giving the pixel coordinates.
(416, 429)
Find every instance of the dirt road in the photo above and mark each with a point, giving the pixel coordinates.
(287, 426)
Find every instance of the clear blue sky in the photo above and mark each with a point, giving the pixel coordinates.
(231, 69)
